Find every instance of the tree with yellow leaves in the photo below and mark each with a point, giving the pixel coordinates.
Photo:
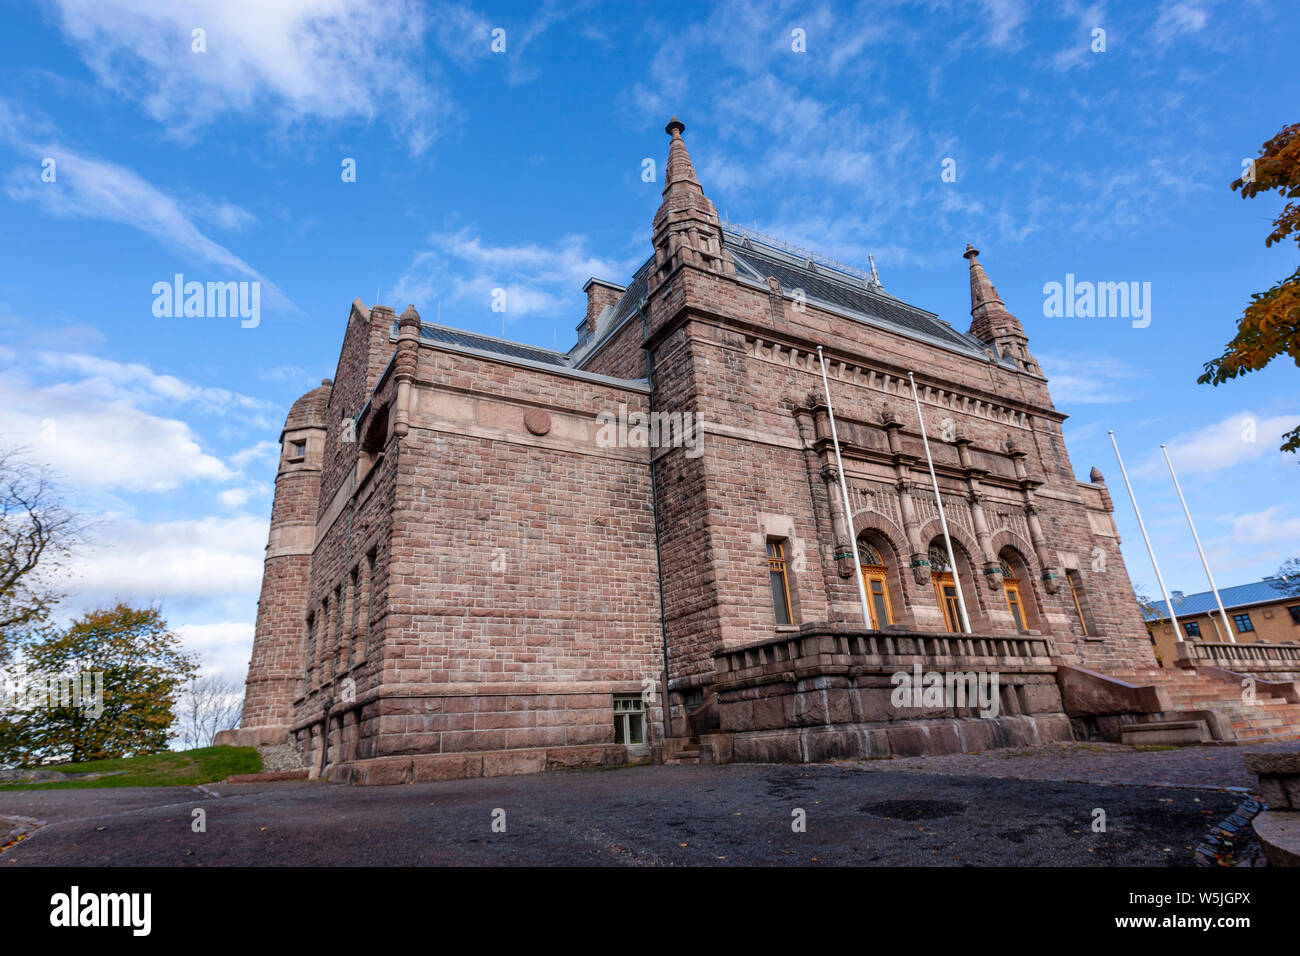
(126, 670)
(1270, 326)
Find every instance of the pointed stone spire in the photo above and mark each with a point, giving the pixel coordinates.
(680, 170)
(991, 322)
(687, 230)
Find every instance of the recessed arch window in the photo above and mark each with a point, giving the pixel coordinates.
(875, 580)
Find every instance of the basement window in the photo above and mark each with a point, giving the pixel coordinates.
(629, 719)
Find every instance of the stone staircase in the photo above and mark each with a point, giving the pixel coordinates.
(1215, 699)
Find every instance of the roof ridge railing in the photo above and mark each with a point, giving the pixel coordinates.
(788, 247)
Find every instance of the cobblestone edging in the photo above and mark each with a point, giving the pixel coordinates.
(1232, 841)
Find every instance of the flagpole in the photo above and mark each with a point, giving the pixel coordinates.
(943, 520)
(1169, 605)
(844, 489)
(1195, 537)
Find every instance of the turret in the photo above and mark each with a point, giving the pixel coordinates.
(277, 661)
(687, 230)
(991, 323)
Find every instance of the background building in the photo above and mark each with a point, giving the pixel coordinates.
(1267, 610)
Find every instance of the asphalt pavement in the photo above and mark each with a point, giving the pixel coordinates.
(769, 815)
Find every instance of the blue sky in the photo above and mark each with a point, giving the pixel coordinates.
(522, 170)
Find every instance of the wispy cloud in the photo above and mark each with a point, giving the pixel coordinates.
(1238, 438)
(461, 268)
(86, 187)
(106, 425)
(291, 61)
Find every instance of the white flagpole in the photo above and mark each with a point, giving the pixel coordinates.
(844, 489)
(943, 520)
(1195, 537)
(1169, 605)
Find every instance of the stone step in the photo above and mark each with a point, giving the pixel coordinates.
(1165, 732)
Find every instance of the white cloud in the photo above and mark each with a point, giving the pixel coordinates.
(538, 280)
(1238, 438)
(98, 428)
(93, 443)
(262, 451)
(179, 561)
(1178, 18)
(291, 61)
(1265, 527)
(224, 647)
(1088, 381)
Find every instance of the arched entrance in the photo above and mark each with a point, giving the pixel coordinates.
(945, 589)
(875, 578)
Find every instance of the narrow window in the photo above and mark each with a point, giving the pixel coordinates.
(311, 646)
(1243, 623)
(1295, 614)
(629, 719)
(1012, 588)
(1075, 580)
(299, 449)
(354, 603)
(340, 629)
(1193, 628)
(776, 571)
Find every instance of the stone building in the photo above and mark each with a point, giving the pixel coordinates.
(487, 557)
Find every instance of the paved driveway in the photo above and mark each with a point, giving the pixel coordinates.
(647, 816)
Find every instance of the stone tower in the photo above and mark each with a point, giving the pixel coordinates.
(276, 666)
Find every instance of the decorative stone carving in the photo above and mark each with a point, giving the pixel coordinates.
(537, 421)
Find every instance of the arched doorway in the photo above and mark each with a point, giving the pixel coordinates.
(1017, 588)
(875, 578)
(945, 589)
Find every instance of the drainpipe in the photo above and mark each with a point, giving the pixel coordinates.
(666, 702)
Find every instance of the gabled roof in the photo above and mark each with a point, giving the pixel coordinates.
(1242, 595)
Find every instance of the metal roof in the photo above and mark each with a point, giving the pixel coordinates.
(819, 280)
(846, 292)
(440, 333)
(1202, 602)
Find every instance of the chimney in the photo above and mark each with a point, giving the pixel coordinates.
(599, 294)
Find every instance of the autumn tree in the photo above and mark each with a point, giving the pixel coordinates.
(1270, 326)
(36, 535)
(143, 673)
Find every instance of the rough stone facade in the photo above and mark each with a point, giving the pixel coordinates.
(465, 569)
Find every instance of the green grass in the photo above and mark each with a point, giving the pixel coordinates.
(170, 769)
